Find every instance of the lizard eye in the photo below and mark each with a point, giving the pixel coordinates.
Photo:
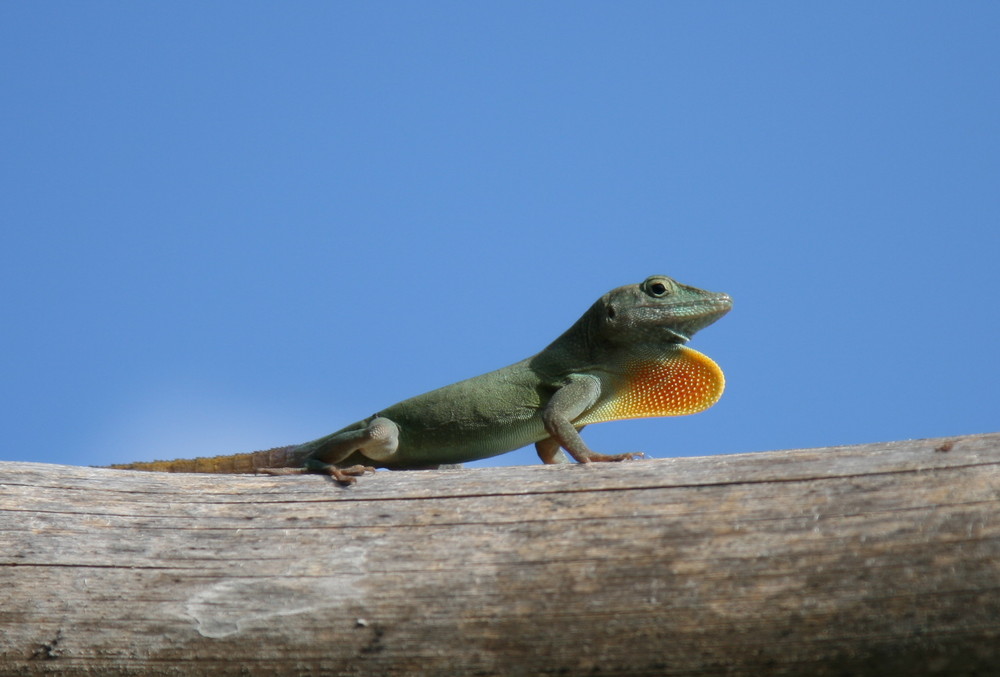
(658, 286)
(611, 312)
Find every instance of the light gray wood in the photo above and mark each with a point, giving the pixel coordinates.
(866, 560)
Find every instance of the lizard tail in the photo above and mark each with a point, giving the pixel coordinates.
(278, 457)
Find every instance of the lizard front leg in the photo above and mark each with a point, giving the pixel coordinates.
(565, 405)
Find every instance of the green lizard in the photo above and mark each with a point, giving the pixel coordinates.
(625, 358)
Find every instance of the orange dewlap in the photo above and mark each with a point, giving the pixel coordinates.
(684, 382)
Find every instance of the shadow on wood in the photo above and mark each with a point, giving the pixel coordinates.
(867, 560)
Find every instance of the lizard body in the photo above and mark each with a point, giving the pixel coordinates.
(624, 358)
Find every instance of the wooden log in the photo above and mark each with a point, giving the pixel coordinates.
(878, 559)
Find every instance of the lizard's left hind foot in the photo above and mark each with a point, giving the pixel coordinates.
(345, 476)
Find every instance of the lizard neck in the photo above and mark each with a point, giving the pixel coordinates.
(577, 349)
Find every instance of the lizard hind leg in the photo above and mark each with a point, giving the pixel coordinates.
(381, 439)
(377, 439)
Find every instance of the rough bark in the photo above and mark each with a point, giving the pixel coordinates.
(866, 560)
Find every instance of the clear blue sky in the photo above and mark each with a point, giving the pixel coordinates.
(229, 226)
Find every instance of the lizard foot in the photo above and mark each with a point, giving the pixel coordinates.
(345, 476)
(614, 458)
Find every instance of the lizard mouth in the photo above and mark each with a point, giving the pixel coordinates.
(688, 317)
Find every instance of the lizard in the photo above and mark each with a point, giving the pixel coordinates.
(624, 358)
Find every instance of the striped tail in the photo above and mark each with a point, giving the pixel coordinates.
(279, 457)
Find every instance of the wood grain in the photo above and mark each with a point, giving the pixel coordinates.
(865, 560)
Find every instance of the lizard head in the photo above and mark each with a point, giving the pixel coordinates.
(659, 310)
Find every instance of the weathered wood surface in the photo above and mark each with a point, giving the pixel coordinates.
(868, 560)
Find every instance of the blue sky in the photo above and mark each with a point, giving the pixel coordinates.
(229, 226)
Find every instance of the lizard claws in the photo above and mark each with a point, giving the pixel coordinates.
(346, 476)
